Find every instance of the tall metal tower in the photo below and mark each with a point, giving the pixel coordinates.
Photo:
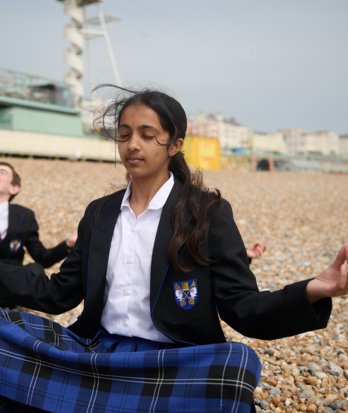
(79, 32)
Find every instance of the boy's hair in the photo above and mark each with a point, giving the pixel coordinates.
(16, 179)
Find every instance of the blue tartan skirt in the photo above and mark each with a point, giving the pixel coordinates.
(46, 367)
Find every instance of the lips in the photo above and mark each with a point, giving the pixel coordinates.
(133, 160)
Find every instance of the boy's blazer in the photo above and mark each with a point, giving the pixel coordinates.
(23, 232)
(184, 306)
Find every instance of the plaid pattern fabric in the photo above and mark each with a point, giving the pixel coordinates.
(44, 365)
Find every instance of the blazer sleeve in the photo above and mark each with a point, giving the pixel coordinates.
(44, 256)
(265, 314)
(30, 287)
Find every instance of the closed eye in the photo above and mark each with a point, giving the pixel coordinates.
(123, 137)
(148, 137)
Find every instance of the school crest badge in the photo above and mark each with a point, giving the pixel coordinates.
(186, 293)
(15, 244)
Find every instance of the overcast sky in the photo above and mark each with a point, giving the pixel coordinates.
(270, 64)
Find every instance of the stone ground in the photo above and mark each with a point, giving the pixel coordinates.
(301, 217)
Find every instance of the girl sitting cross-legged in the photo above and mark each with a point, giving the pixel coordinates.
(158, 265)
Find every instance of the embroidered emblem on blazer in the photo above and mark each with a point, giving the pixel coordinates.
(186, 293)
(15, 244)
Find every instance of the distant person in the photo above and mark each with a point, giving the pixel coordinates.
(157, 265)
(19, 229)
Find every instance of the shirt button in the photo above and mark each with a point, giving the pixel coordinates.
(125, 323)
(126, 292)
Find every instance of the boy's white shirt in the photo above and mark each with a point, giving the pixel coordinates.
(127, 294)
(4, 212)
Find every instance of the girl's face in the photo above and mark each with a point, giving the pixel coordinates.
(143, 143)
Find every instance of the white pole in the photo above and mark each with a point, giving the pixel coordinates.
(109, 47)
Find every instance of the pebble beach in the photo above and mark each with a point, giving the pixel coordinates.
(301, 217)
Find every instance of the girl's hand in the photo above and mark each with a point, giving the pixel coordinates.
(333, 282)
(70, 242)
(256, 250)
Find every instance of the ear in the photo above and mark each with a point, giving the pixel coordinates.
(14, 189)
(175, 147)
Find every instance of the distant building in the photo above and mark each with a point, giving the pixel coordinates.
(343, 145)
(294, 139)
(37, 118)
(323, 143)
(233, 137)
(268, 143)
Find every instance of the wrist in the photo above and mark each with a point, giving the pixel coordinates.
(314, 291)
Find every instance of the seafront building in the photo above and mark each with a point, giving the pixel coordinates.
(235, 138)
(38, 118)
(343, 144)
(232, 136)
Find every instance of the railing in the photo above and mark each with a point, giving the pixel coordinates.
(35, 88)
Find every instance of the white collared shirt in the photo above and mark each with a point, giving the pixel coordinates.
(127, 292)
(4, 212)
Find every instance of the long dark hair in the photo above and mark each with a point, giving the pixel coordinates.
(192, 212)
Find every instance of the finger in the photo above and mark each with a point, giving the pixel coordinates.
(341, 258)
(343, 280)
(261, 247)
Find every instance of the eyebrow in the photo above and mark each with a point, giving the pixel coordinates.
(141, 127)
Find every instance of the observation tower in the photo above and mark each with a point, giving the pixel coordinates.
(80, 31)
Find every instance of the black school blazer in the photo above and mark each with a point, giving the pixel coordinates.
(23, 233)
(227, 288)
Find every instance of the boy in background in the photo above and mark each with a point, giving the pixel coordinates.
(19, 229)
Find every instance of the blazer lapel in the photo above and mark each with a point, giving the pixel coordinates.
(103, 225)
(15, 222)
(102, 232)
(160, 263)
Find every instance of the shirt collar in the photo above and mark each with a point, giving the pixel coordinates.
(160, 198)
(4, 206)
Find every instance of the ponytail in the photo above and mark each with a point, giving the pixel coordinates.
(191, 214)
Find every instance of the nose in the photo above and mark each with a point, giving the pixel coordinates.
(134, 142)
